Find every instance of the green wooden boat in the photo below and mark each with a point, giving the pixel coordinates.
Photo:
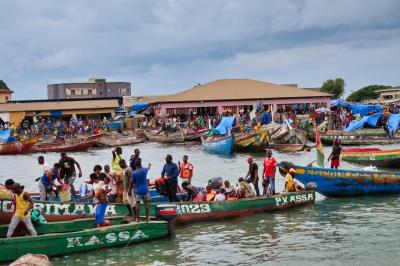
(60, 238)
(189, 212)
(372, 156)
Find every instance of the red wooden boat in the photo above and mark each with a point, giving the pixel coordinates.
(63, 146)
(195, 135)
(372, 156)
(18, 147)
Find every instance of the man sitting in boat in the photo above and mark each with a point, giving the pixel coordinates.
(230, 190)
(244, 190)
(210, 194)
(221, 195)
(291, 184)
(23, 205)
(190, 190)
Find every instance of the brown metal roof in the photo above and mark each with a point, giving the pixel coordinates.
(241, 89)
(58, 105)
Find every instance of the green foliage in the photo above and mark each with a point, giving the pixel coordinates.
(366, 93)
(3, 85)
(335, 87)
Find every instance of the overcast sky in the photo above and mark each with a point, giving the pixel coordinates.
(167, 46)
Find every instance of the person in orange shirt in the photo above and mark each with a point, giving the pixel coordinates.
(186, 169)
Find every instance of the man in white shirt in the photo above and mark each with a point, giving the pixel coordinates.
(45, 170)
(221, 195)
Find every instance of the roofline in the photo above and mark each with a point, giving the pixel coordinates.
(65, 100)
(248, 99)
(389, 89)
(87, 82)
(6, 91)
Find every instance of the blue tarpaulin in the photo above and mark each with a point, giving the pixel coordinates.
(393, 122)
(137, 107)
(225, 125)
(371, 120)
(338, 103)
(364, 110)
(4, 134)
(266, 118)
(56, 113)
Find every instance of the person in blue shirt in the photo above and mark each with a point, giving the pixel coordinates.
(139, 179)
(170, 176)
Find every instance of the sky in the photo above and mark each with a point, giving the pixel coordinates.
(166, 46)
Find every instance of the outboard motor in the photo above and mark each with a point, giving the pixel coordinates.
(216, 183)
(311, 186)
(167, 212)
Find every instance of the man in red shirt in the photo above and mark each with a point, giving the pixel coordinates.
(269, 173)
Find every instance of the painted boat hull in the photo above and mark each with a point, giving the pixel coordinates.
(195, 136)
(85, 237)
(63, 147)
(222, 146)
(348, 183)
(353, 139)
(15, 148)
(189, 212)
(372, 156)
(113, 142)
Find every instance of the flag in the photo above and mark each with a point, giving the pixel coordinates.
(320, 149)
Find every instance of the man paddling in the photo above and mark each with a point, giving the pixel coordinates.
(23, 205)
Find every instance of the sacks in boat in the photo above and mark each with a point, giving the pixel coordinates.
(32, 260)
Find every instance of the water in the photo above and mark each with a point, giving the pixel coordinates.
(359, 231)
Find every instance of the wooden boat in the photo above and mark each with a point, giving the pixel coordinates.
(163, 137)
(63, 146)
(223, 145)
(346, 183)
(289, 147)
(56, 211)
(351, 138)
(255, 141)
(80, 235)
(107, 141)
(372, 156)
(18, 147)
(189, 212)
(195, 135)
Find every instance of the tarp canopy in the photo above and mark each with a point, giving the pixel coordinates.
(338, 103)
(4, 134)
(371, 120)
(137, 107)
(393, 122)
(323, 110)
(364, 110)
(225, 125)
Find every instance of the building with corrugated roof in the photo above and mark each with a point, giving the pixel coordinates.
(95, 87)
(16, 111)
(237, 94)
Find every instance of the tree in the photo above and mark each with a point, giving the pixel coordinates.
(335, 87)
(3, 85)
(366, 93)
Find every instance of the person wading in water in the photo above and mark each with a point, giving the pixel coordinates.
(186, 169)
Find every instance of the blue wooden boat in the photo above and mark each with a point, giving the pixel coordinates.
(346, 183)
(223, 145)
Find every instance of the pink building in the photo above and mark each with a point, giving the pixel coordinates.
(237, 94)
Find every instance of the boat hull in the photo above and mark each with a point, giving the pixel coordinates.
(222, 146)
(347, 183)
(18, 147)
(83, 238)
(63, 147)
(195, 136)
(189, 212)
(372, 156)
(178, 137)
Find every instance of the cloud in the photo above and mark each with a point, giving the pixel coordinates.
(164, 46)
